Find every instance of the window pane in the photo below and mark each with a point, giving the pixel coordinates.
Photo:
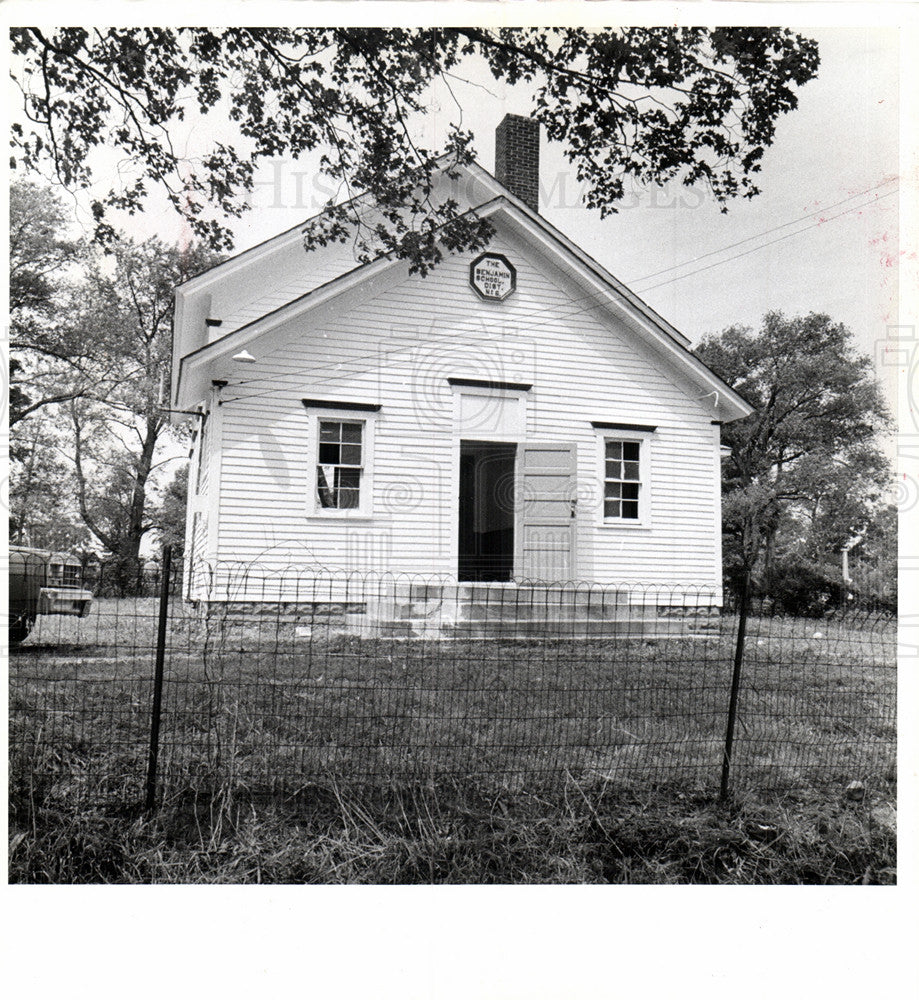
(630, 470)
(611, 508)
(323, 487)
(630, 508)
(630, 450)
(613, 491)
(613, 470)
(329, 454)
(614, 449)
(630, 491)
(347, 478)
(348, 499)
(338, 474)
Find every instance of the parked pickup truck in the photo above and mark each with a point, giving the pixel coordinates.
(43, 583)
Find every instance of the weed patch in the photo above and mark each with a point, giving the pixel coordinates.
(456, 834)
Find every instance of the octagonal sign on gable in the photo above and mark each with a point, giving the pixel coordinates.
(493, 276)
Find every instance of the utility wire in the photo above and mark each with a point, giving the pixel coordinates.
(765, 232)
(762, 246)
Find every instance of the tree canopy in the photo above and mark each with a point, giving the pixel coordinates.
(806, 468)
(41, 509)
(44, 364)
(655, 104)
(91, 353)
(116, 437)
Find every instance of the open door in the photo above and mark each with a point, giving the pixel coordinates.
(486, 511)
(547, 508)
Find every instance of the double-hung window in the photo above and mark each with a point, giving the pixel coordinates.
(340, 464)
(340, 457)
(622, 479)
(625, 475)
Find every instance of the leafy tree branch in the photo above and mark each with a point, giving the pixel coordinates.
(656, 104)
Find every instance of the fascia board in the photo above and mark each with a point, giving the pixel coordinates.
(193, 362)
(490, 182)
(607, 298)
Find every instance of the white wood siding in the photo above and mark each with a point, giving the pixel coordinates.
(397, 349)
(273, 279)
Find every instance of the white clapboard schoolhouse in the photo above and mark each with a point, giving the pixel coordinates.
(516, 415)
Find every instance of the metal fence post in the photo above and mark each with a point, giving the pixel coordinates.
(735, 685)
(158, 679)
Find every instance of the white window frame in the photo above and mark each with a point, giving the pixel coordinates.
(644, 477)
(364, 509)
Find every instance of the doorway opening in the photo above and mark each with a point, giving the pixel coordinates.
(486, 511)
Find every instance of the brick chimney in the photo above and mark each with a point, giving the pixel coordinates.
(517, 158)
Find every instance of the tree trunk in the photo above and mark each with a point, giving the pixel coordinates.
(123, 540)
(768, 562)
(129, 553)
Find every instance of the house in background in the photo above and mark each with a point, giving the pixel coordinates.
(516, 415)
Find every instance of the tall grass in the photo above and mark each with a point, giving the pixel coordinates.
(338, 759)
(455, 834)
(524, 714)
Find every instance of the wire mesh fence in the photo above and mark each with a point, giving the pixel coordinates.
(276, 682)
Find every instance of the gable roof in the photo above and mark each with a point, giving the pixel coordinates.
(605, 291)
(244, 256)
(615, 284)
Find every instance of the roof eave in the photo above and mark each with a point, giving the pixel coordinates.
(737, 406)
(729, 404)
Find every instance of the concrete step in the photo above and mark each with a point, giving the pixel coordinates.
(494, 592)
(579, 628)
(539, 595)
(552, 612)
(510, 608)
(420, 628)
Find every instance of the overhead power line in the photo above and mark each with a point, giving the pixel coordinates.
(762, 246)
(765, 232)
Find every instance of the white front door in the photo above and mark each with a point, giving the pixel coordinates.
(546, 523)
